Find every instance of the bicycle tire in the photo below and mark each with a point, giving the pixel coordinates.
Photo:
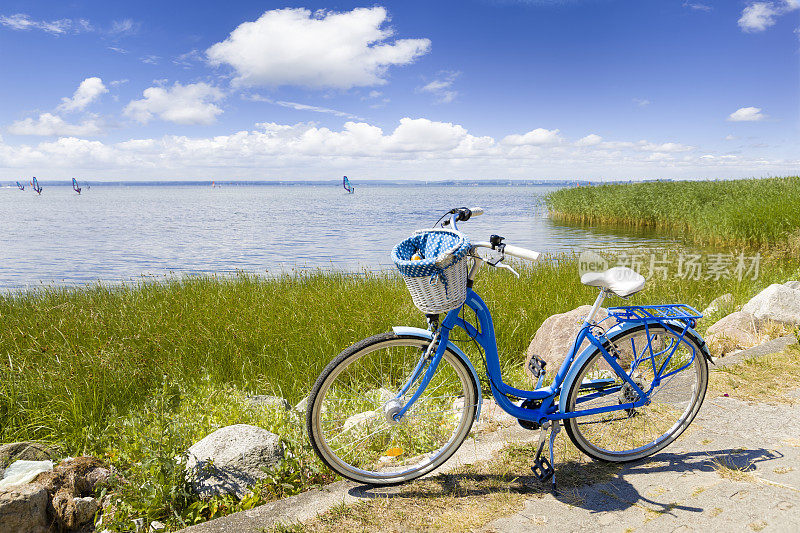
(442, 426)
(614, 436)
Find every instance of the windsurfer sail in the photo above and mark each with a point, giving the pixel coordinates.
(36, 186)
(75, 186)
(347, 186)
(20, 186)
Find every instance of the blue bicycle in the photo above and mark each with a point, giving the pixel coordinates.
(397, 405)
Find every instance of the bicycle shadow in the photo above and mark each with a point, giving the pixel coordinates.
(594, 486)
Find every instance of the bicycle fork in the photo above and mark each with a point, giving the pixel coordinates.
(542, 468)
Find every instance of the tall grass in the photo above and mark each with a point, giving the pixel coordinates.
(72, 360)
(753, 212)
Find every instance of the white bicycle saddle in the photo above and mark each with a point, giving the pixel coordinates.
(622, 281)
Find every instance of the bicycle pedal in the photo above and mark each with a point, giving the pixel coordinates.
(536, 365)
(542, 469)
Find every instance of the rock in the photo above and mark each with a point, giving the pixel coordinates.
(26, 451)
(360, 418)
(792, 285)
(232, 459)
(269, 401)
(717, 304)
(491, 413)
(85, 509)
(138, 525)
(70, 491)
(778, 303)
(23, 509)
(155, 525)
(74, 512)
(99, 476)
(302, 405)
(21, 472)
(736, 331)
(554, 338)
(381, 395)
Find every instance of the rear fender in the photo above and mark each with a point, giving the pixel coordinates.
(427, 335)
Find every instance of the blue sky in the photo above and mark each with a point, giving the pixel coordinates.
(599, 89)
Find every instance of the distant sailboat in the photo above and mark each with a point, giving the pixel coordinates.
(75, 186)
(36, 186)
(20, 186)
(347, 186)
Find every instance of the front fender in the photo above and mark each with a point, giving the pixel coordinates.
(425, 334)
(572, 374)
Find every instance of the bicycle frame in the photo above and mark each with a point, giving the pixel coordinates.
(484, 335)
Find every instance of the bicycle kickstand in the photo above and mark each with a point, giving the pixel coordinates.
(542, 468)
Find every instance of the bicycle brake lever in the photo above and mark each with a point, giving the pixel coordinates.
(508, 268)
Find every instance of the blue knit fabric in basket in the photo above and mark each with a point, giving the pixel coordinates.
(429, 244)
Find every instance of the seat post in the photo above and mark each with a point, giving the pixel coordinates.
(597, 304)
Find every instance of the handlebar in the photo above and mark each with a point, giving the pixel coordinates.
(462, 214)
(514, 251)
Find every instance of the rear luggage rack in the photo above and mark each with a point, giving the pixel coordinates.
(657, 313)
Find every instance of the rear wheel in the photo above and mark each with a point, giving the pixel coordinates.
(627, 435)
(349, 415)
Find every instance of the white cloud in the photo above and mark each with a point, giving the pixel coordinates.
(124, 27)
(415, 148)
(442, 87)
(758, 16)
(300, 107)
(23, 22)
(150, 59)
(326, 49)
(590, 140)
(663, 147)
(53, 125)
(117, 49)
(188, 59)
(697, 6)
(730, 137)
(641, 102)
(747, 114)
(87, 92)
(537, 137)
(182, 104)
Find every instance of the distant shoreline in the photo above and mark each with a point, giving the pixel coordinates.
(326, 183)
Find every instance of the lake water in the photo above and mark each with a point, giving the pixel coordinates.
(114, 234)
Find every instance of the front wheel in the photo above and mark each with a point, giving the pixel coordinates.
(675, 399)
(349, 418)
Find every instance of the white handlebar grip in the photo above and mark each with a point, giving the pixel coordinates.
(522, 253)
(476, 211)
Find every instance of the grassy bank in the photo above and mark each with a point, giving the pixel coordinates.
(754, 212)
(135, 374)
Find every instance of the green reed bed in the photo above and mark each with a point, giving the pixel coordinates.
(752, 212)
(137, 373)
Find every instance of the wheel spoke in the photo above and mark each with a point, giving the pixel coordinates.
(640, 431)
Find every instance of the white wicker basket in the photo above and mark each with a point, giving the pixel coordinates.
(431, 296)
(433, 262)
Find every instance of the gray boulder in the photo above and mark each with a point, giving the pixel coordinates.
(262, 400)
(23, 509)
(736, 331)
(302, 405)
(717, 304)
(792, 284)
(778, 303)
(554, 338)
(26, 451)
(232, 459)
